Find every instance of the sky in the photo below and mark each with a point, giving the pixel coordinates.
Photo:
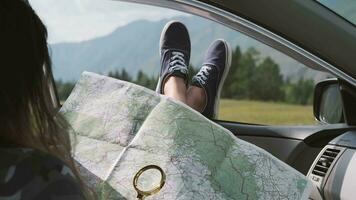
(79, 20)
(345, 8)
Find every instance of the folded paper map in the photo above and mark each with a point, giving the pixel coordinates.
(120, 127)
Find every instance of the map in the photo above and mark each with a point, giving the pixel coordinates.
(119, 127)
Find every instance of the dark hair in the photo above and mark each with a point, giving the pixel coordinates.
(28, 114)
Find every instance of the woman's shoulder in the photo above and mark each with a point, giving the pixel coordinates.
(33, 174)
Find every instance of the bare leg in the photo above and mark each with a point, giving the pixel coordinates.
(196, 98)
(175, 88)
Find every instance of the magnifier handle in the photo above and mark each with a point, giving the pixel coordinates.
(140, 196)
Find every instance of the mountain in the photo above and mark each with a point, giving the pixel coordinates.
(135, 47)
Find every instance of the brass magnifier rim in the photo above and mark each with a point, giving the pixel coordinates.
(156, 189)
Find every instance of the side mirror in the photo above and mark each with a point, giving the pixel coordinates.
(328, 104)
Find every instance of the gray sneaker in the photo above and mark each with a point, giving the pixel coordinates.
(175, 53)
(212, 75)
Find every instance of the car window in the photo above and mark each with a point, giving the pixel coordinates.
(265, 86)
(121, 40)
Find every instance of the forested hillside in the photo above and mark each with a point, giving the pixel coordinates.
(251, 77)
(134, 47)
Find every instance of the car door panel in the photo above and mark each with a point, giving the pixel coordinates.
(297, 146)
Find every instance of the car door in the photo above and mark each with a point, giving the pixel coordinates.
(298, 29)
(305, 25)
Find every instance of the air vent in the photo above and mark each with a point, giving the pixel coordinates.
(325, 161)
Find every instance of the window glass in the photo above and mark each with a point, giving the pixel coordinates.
(121, 40)
(265, 86)
(345, 8)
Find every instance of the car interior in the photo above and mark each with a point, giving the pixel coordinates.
(325, 152)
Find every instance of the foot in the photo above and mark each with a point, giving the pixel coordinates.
(175, 53)
(212, 75)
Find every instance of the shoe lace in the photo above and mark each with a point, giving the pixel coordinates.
(202, 74)
(178, 63)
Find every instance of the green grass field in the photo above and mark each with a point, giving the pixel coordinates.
(269, 113)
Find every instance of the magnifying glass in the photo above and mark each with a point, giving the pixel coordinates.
(148, 172)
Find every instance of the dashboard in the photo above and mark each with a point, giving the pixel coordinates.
(334, 170)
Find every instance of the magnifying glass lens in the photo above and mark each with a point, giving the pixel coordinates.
(149, 180)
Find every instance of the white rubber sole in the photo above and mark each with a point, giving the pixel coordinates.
(221, 84)
(159, 84)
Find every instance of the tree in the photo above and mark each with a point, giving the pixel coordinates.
(267, 82)
(300, 92)
(229, 85)
(64, 89)
(144, 80)
(114, 74)
(245, 71)
(192, 71)
(125, 76)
